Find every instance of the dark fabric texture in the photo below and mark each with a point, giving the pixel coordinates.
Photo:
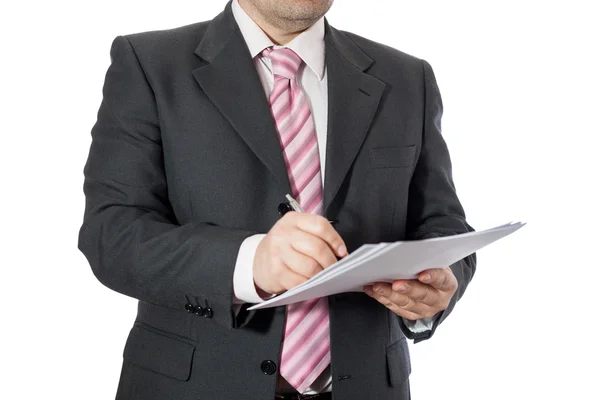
(185, 164)
(319, 396)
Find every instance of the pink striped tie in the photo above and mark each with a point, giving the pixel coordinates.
(305, 352)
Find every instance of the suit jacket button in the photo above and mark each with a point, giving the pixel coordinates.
(199, 310)
(189, 308)
(268, 367)
(283, 208)
(208, 312)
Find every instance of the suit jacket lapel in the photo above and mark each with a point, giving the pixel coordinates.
(230, 80)
(353, 98)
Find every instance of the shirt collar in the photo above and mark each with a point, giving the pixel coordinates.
(309, 45)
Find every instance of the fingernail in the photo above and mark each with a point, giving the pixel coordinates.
(368, 290)
(426, 278)
(378, 289)
(402, 288)
(342, 250)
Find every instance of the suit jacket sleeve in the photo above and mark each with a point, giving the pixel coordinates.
(433, 206)
(130, 235)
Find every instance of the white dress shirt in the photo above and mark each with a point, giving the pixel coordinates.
(312, 75)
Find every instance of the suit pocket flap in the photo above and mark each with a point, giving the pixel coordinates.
(398, 360)
(158, 352)
(392, 157)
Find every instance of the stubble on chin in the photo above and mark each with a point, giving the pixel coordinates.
(293, 14)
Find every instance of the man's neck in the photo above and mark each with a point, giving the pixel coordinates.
(280, 33)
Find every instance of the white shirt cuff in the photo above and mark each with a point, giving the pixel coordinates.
(418, 326)
(244, 290)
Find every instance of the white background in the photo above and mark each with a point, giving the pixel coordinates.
(520, 82)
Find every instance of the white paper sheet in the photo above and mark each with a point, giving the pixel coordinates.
(387, 262)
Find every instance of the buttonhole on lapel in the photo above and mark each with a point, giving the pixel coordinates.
(342, 377)
(362, 91)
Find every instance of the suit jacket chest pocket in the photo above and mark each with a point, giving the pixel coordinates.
(392, 157)
(377, 191)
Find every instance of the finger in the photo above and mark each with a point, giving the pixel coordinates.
(319, 226)
(404, 313)
(417, 291)
(388, 296)
(404, 305)
(300, 263)
(442, 279)
(384, 290)
(313, 247)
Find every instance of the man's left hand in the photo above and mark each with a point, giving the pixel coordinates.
(424, 297)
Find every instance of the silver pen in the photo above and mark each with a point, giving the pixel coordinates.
(298, 208)
(295, 205)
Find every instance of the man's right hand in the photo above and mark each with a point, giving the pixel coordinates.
(297, 247)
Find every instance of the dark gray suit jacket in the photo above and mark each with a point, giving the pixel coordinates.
(185, 164)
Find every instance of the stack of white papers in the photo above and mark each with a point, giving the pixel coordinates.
(387, 262)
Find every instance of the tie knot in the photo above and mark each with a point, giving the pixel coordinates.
(285, 61)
